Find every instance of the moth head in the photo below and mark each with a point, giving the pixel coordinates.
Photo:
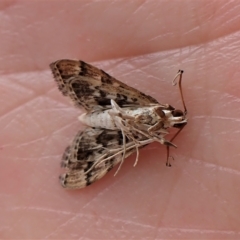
(179, 113)
(174, 117)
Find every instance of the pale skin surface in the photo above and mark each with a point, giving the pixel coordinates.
(198, 197)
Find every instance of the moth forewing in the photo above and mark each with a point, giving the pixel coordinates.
(120, 120)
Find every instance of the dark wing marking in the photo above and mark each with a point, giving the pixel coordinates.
(90, 87)
(88, 148)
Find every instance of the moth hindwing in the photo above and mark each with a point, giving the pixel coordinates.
(120, 120)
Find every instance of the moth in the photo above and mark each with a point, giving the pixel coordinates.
(120, 121)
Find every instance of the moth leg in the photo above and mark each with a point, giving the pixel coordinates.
(118, 116)
(125, 129)
(171, 144)
(123, 122)
(119, 167)
(119, 124)
(123, 154)
(137, 156)
(168, 164)
(158, 126)
(136, 145)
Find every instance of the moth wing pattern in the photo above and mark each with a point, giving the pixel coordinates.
(131, 121)
(92, 154)
(90, 87)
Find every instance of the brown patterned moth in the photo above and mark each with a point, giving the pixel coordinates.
(120, 120)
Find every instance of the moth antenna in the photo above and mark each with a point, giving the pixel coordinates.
(179, 74)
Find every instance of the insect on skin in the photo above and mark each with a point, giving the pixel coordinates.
(120, 120)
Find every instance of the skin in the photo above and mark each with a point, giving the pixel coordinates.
(142, 43)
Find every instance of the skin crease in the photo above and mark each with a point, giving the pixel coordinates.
(142, 43)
